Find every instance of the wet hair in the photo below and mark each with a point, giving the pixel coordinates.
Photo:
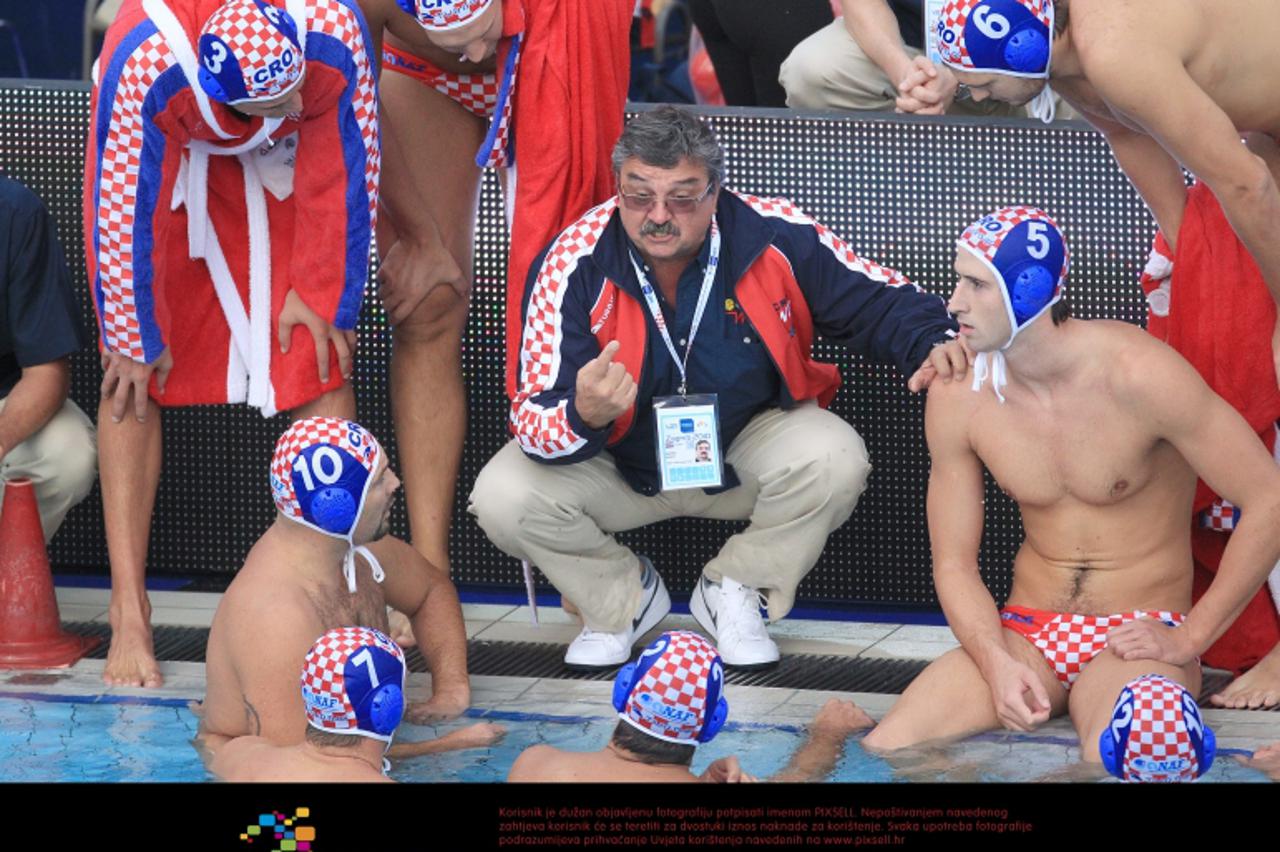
(1060, 311)
(666, 135)
(317, 737)
(651, 750)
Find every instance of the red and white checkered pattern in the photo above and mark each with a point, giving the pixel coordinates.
(118, 188)
(476, 93)
(340, 22)
(987, 243)
(785, 210)
(1222, 516)
(1158, 731)
(498, 153)
(676, 680)
(256, 42)
(541, 430)
(442, 15)
(322, 675)
(349, 437)
(1070, 641)
(955, 14)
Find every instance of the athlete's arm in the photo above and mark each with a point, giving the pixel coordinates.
(1227, 455)
(955, 506)
(427, 595)
(1153, 172)
(1146, 81)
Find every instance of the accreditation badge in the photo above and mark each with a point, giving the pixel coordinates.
(688, 441)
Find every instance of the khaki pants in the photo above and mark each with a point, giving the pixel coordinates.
(828, 70)
(802, 472)
(61, 460)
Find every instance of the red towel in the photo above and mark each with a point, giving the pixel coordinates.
(571, 88)
(1221, 316)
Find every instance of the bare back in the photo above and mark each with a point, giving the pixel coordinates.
(266, 623)
(1104, 498)
(1227, 48)
(545, 763)
(254, 759)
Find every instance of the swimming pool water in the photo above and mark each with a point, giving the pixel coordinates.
(102, 738)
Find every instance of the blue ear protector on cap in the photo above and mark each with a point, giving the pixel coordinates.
(220, 74)
(380, 707)
(1114, 740)
(329, 484)
(1027, 259)
(1005, 34)
(629, 677)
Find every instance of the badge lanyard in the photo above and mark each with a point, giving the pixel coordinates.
(651, 299)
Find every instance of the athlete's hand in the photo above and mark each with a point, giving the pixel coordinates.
(296, 312)
(410, 271)
(604, 389)
(926, 89)
(1148, 639)
(947, 362)
(1021, 701)
(840, 718)
(122, 375)
(444, 705)
(726, 770)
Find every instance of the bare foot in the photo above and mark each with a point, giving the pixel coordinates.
(1264, 760)
(131, 660)
(1256, 689)
(400, 628)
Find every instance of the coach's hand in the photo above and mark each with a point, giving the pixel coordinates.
(122, 375)
(296, 312)
(947, 361)
(604, 389)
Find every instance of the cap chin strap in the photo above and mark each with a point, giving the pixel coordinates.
(349, 566)
(991, 364)
(1043, 106)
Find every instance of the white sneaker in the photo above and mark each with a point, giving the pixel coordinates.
(595, 650)
(730, 612)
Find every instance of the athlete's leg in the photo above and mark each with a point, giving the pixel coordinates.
(129, 468)
(429, 402)
(1093, 697)
(951, 699)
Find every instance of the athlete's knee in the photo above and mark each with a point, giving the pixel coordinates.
(803, 76)
(1156, 733)
(440, 316)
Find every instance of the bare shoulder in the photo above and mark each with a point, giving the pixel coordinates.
(536, 763)
(1144, 371)
(1114, 37)
(950, 406)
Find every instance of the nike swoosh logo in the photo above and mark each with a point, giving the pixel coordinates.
(653, 593)
(706, 583)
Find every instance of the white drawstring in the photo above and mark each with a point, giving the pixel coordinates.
(991, 364)
(349, 567)
(1043, 106)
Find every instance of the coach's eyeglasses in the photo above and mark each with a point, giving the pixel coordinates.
(643, 202)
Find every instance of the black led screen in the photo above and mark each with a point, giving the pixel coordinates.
(898, 189)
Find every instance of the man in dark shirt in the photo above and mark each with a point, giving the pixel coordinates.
(44, 437)
(674, 314)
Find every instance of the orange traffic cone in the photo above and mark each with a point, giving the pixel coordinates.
(31, 635)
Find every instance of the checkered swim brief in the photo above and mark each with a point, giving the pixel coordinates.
(477, 93)
(1069, 641)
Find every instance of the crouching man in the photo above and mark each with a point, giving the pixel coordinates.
(666, 370)
(1098, 431)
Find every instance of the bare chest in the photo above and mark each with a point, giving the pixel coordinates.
(1091, 456)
